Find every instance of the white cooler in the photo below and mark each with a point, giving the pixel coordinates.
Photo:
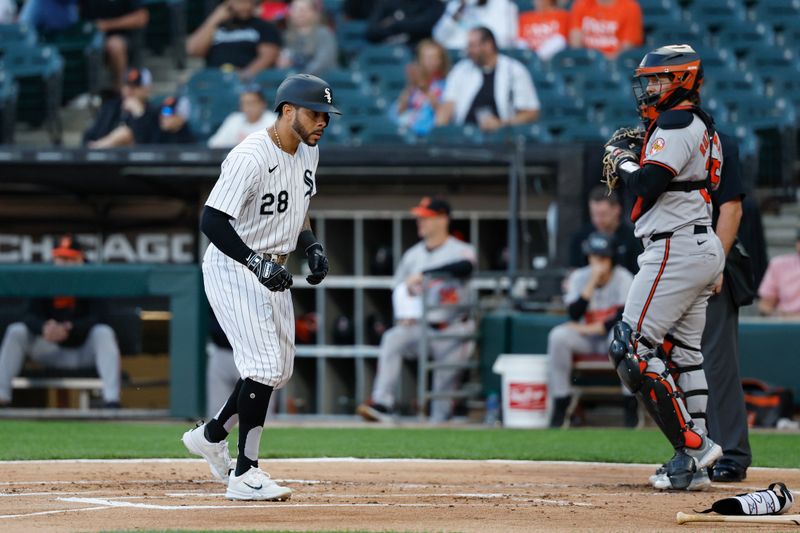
(525, 402)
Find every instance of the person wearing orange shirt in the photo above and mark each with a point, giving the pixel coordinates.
(544, 30)
(609, 26)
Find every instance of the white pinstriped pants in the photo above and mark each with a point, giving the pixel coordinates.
(259, 323)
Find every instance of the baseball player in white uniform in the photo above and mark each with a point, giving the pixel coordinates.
(656, 346)
(256, 214)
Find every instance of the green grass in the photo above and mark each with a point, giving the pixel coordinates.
(96, 440)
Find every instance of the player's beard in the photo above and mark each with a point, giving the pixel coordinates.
(303, 133)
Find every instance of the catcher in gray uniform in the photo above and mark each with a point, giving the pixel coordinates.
(656, 345)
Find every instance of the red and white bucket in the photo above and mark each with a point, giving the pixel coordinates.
(525, 403)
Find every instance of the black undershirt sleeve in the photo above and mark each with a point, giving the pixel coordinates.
(649, 181)
(459, 269)
(578, 308)
(217, 227)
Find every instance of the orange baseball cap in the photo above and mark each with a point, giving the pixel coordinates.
(431, 207)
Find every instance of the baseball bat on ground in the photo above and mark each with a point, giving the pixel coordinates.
(789, 519)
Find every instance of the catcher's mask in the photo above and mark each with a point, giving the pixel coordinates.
(665, 77)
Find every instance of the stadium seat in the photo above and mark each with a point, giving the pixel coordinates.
(381, 132)
(677, 32)
(270, 79)
(213, 95)
(532, 133)
(350, 35)
(373, 57)
(167, 28)
(16, 35)
(716, 59)
(762, 113)
(567, 107)
(454, 134)
(741, 37)
(628, 60)
(9, 91)
(774, 65)
(81, 46)
(735, 86)
(587, 132)
(523, 55)
(778, 14)
(575, 64)
(388, 82)
(455, 55)
(548, 84)
(39, 72)
(657, 12)
(716, 14)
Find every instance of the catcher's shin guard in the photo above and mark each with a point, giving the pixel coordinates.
(663, 400)
(626, 361)
(690, 379)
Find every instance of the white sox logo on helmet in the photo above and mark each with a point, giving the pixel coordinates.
(328, 96)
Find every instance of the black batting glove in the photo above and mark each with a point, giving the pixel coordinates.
(270, 274)
(317, 263)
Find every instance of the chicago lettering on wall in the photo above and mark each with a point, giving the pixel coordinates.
(111, 248)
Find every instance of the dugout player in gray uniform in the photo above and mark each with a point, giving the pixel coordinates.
(727, 416)
(656, 347)
(438, 253)
(256, 214)
(594, 297)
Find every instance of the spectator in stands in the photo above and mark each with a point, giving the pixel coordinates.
(309, 45)
(779, 292)
(275, 12)
(357, 9)
(49, 15)
(233, 38)
(605, 214)
(63, 332)
(609, 26)
(460, 16)
(402, 21)
(253, 116)
(415, 109)
(122, 23)
(544, 30)
(126, 120)
(489, 89)
(8, 12)
(173, 123)
(595, 296)
(438, 253)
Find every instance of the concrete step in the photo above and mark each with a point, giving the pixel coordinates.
(773, 251)
(784, 220)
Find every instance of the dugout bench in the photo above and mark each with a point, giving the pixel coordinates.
(182, 284)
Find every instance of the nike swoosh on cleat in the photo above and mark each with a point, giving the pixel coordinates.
(254, 488)
(271, 171)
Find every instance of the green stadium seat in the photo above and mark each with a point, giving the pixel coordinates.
(9, 91)
(81, 46)
(372, 57)
(39, 72)
(548, 84)
(213, 95)
(715, 15)
(741, 37)
(16, 35)
(677, 32)
(628, 60)
(350, 35)
(587, 133)
(455, 135)
(381, 132)
(657, 12)
(167, 28)
(269, 80)
(778, 14)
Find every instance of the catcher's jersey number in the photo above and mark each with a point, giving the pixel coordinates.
(270, 205)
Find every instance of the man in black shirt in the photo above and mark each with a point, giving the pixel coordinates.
(232, 37)
(605, 213)
(127, 120)
(62, 332)
(173, 126)
(727, 416)
(118, 20)
(403, 21)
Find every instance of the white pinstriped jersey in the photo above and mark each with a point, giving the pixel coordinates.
(267, 192)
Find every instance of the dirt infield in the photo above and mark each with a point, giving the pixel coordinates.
(375, 495)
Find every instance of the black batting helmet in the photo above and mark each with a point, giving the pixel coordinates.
(600, 244)
(305, 90)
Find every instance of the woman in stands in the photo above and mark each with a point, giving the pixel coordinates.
(309, 46)
(415, 108)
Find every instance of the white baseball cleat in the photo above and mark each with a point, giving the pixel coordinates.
(255, 484)
(215, 453)
(705, 455)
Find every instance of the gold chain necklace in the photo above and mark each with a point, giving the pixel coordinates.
(277, 137)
